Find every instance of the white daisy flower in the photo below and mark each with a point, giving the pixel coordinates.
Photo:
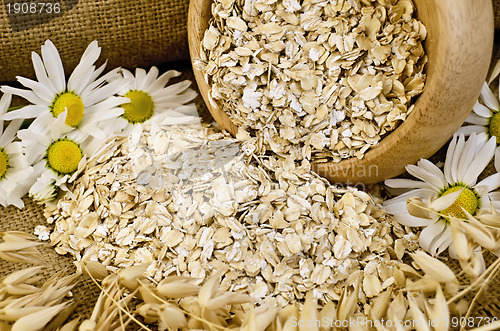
(87, 99)
(57, 159)
(16, 174)
(484, 120)
(150, 98)
(447, 192)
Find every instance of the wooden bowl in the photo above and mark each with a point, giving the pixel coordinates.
(459, 46)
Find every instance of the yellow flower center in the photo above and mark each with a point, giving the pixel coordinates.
(4, 163)
(63, 156)
(140, 108)
(71, 102)
(467, 200)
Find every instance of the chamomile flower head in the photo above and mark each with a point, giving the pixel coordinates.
(484, 120)
(453, 192)
(16, 174)
(57, 159)
(151, 98)
(87, 99)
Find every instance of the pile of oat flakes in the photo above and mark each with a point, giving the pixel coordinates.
(191, 201)
(321, 80)
(318, 81)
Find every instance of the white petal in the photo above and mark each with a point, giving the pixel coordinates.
(41, 74)
(99, 116)
(455, 157)
(466, 156)
(424, 175)
(90, 55)
(10, 132)
(422, 193)
(59, 126)
(102, 93)
(406, 183)
(150, 78)
(448, 160)
(482, 110)
(163, 79)
(30, 111)
(395, 206)
(180, 115)
(442, 242)
(488, 97)
(481, 160)
(445, 201)
(431, 234)
(107, 104)
(412, 221)
(81, 81)
(40, 90)
(491, 182)
(27, 94)
(470, 129)
(140, 74)
(476, 119)
(53, 65)
(93, 131)
(4, 107)
(497, 159)
(433, 169)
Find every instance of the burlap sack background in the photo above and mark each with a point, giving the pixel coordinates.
(132, 33)
(158, 39)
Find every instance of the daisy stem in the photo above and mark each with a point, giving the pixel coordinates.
(15, 108)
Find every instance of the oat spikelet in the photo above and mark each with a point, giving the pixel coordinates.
(478, 232)
(70, 326)
(172, 317)
(397, 308)
(460, 241)
(439, 314)
(250, 322)
(416, 207)
(491, 220)
(94, 268)
(178, 287)
(380, 304)
(434, 268)
(129, 277)
(37, 320)
(348, 302)
(22, 276)
(208, 299)
(421, 321)
(286, 315)
(309, 313)
(20, 247)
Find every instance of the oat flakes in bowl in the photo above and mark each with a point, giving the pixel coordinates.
(326, 81)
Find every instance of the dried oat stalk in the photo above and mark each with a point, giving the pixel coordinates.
(20, 247)
(27, 306)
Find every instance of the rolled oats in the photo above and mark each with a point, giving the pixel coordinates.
(201, 204)
(319, 80)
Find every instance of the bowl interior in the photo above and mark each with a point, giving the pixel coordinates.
(458, 46)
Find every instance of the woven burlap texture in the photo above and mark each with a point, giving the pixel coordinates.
(132, 33)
